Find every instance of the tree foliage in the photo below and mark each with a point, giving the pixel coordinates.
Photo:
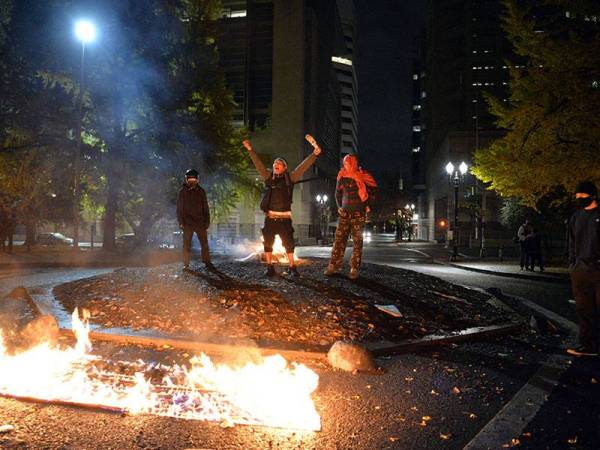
(551, 117)
(154, 104)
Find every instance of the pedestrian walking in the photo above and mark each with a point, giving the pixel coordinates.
(193, 216)
(354, 194)
(534, 250)
(584, 265)
(522, 234)
(276, 202)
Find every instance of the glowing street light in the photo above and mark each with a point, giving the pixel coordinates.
(323, 213)
(455, 178)
(85, 31)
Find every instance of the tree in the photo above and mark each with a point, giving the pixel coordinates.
(551, 140)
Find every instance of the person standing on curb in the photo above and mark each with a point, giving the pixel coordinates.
(584, 265)
(522, 236)
(354, 194)
(193, 216)
(276, 202)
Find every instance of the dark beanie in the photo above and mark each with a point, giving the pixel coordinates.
(587, 187)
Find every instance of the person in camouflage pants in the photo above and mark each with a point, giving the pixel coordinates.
(355, 191)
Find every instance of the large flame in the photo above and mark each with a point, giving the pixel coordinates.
(269, 393)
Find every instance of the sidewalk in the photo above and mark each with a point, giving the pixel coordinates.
(553, 274)
(50, 257)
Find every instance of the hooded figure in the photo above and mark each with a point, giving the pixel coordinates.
(193, 216)
(354, 193)
(276, 202)
(584, 264)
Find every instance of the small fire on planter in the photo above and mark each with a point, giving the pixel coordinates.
(270, 393)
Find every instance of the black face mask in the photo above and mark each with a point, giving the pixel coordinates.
(584, 202)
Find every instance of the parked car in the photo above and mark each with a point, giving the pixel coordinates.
(53, 239)
(125, 240)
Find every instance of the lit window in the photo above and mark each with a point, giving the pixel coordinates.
(416, 107)
(416, 149)
(344, 61)
(416, 128)
(415, 76)
(423, 94)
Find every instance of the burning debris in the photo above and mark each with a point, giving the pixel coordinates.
(270, 393)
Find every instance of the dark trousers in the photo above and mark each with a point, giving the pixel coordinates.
(524, 254)
(282, 227)
(188, 234)
(586, 289)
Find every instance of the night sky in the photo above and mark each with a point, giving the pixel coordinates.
(387, 31)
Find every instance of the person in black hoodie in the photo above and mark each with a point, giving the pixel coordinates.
(584, 264)
(193, 216)
(276, 202)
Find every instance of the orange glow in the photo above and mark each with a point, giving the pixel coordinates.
(270, 392)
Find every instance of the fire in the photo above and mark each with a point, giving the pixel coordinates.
(279, 253)
(270, 393)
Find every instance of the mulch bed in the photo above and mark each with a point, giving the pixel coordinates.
(310, 312)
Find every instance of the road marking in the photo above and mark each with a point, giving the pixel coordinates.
(510, 422)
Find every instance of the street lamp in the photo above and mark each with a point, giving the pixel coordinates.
(322, 200)
(410, 210)
(85, 31)
(455, 178)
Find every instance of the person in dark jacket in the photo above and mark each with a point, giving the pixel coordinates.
(355, 191)
(276, 202)
(534, 250)
(584, 264)
(523, 235)
(193, 216)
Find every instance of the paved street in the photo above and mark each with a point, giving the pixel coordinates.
(442, 398)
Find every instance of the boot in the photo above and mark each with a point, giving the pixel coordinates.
(330, 270)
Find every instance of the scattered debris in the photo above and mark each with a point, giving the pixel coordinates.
(392, 310)
(6, 428)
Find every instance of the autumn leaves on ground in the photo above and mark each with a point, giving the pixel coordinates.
(313, 311)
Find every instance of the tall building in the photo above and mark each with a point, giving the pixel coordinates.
(465, 57)
(345, 68)
(279, 58)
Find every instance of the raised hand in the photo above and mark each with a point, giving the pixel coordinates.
(246, 143)
(311, 140)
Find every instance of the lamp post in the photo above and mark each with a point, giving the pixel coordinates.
(410, 210)
(85, 31)
(456, 176)
(322, 200)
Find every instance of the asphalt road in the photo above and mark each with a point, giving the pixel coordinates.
(431, 400)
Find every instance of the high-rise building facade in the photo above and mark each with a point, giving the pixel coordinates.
(465, 56)
(344, 64)
(279, 58)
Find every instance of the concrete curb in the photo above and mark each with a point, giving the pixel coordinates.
(469, 334)
(550, 279)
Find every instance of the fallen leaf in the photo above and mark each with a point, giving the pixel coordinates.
(414, 408)
(6, 428)
(408, 378)
(515, 442)
(445, 436)
(393, 438)
(472, 416)
(423, 423)
(434, 392)
(455, 390)
(527, 435)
